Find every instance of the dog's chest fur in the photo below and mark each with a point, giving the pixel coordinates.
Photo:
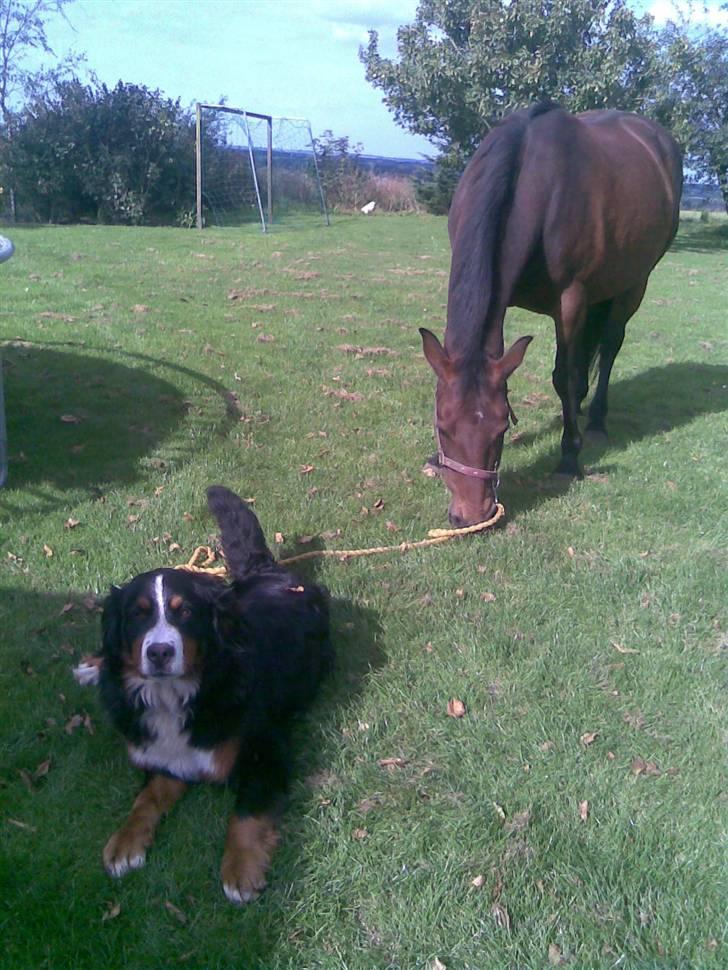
(168, 747)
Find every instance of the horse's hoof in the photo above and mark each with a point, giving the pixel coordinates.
(596, 436)
(568, 469)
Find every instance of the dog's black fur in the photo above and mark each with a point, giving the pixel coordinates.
(203, 676)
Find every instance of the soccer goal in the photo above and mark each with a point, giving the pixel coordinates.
(253, 167)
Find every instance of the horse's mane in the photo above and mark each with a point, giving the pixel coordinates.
(484, 195)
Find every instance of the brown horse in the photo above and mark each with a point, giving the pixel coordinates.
(561, 214)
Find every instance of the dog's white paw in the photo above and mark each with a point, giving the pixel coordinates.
(122, 854)
(87, 672)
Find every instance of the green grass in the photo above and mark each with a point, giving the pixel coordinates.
(133, 334)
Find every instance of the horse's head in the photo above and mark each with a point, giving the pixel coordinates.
(471, 418)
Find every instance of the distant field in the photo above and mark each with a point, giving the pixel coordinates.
(574, 815)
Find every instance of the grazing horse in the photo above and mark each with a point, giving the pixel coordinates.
(564, 215)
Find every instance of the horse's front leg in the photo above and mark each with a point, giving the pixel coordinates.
(567, 377)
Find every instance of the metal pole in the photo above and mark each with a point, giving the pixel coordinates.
(198, 162)
(270, 171)
(318, 176)
(255, 174)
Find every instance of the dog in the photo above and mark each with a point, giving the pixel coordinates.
(203, 678)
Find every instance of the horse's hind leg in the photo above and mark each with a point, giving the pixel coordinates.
(568, 375)
(622, 309)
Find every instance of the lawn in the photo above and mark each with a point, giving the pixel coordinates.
(574, 815)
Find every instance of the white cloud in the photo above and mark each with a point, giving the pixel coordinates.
(702, 14)
(372, 14)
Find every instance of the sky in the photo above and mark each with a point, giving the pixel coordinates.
(288, 58)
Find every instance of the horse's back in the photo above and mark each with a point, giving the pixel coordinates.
(600, 194)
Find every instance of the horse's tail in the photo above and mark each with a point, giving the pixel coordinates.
(478, 218)
(243, 541)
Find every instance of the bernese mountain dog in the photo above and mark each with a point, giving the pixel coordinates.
(203, 677)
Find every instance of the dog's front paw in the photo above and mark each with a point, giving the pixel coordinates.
(88, 671)
(124, 851)
(248, 850)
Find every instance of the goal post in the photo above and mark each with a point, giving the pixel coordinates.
(254, 167)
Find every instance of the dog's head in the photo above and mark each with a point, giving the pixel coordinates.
(158, 625)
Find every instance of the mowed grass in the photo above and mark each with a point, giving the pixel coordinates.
(574, 815)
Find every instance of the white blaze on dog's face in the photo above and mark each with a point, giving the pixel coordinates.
(158, 625)
(162, 650)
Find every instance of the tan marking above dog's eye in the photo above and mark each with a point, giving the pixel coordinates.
(143, 605)
(175, 602)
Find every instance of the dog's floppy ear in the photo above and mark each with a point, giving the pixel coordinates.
(111, 617)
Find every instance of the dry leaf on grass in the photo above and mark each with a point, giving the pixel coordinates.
(501, 917)
(47, 551)
(306, 469)
(589, 737)
(437, 965)
(71, 523)
(175, 911)
(620, 649)
(639, 766)
(111, 912)
(518, 822)
(584, 810)
(359, 834)
(455, 708)
(70, 419)
(478, 882)
(392, 762)
(555, 956)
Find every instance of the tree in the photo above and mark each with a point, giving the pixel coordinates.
(120, 155)
(463, 64)
(693, 98)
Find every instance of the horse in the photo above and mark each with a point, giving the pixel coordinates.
(565, 215)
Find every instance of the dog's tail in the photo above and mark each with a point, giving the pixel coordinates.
(243, 541)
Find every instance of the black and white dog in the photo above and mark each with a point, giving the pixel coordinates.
(203, 677)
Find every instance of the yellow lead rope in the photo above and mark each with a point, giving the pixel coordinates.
(434, 538)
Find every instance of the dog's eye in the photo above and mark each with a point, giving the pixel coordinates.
(141, 608)
(180, 608)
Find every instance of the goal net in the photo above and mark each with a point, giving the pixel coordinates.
(255, 168)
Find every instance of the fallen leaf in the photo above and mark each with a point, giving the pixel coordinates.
(639, 766)
(111, 912)
(279, 537)
(72, 723)
(518, 822)
(70, 419)
(487, 597)
(391, 527)
(455, 708)
(140, 308)
(546, 746)
(175, 911)
(359, 834)
(22, 825)
(499, 811)
(42, 770)
(437, 965)
(266, 338)
(478, 882)
(584, 810)
(620, 649)
(501, 917)
(392, 762)
(571, 552)
(66, 608)
(555, 957)
(589, 737)
(71, 523)
(305, 469)
(47, 551)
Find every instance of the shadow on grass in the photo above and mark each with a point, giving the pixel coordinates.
(76, 420)
(701, 237)
(64, 812)
(648, 404)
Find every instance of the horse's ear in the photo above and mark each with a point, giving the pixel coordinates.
(435, 354)
(512, 358)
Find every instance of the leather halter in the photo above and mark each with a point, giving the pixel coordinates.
(469, 471)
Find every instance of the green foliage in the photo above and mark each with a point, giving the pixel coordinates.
(87, 152)
(693, 97)
(465, 63)
(343, 179)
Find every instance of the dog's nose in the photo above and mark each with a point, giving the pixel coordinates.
(160, 654)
